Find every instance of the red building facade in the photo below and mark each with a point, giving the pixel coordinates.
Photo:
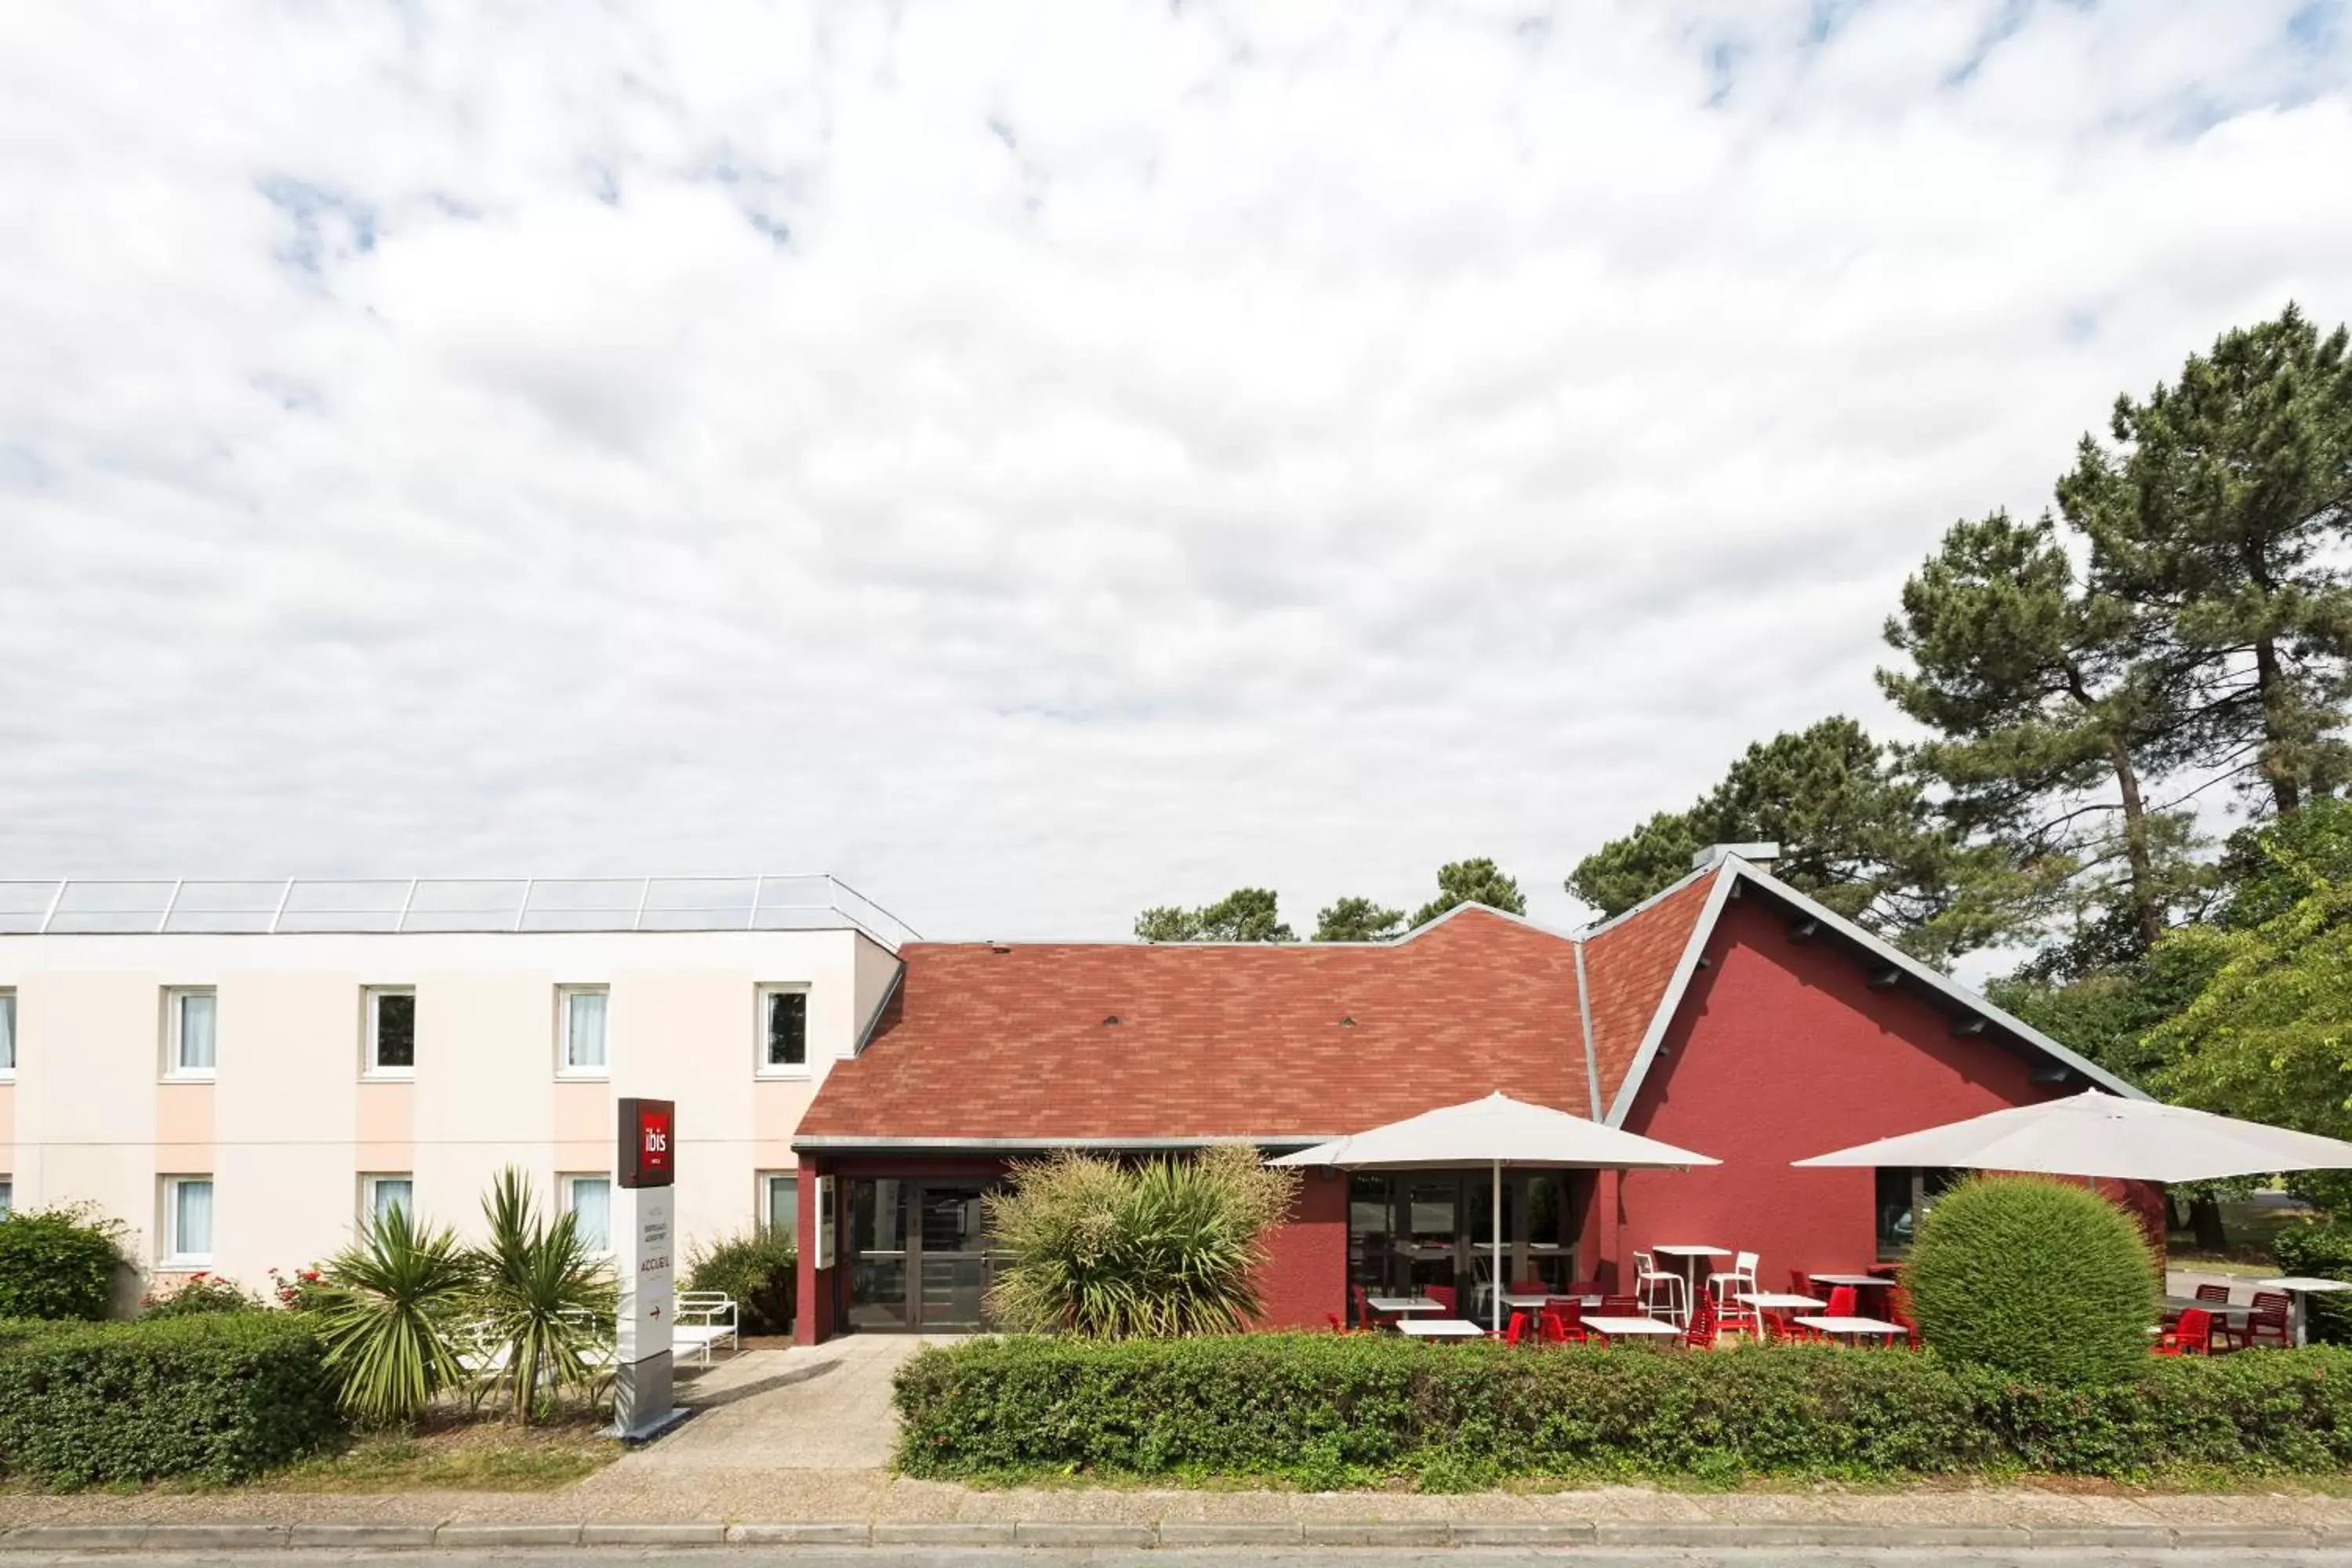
(1731, 1016)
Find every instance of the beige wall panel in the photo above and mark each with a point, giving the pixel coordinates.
(285, 1105)
(88, 1061)
(485, 1088)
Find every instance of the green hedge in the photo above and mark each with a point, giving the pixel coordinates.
(220, 1397)
(2320, 1252)
(1327, 1410)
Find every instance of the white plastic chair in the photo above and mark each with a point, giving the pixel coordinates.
(705, 1318)
(1651, 1282)
(1730, 1313)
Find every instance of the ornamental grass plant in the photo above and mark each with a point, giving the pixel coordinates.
(2036, 1278)
(545, 1297)
(1102, 1249)
(386, 1309)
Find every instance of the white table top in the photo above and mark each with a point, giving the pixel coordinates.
(1537, 1304)
(1629, 1326)
(1857, 1281)
(1403, 1304)
(1851, 1325)
(2298, 1282)
(2184, 1303)
(1779, 1300)
(1441, 1329)
(1688, 1251)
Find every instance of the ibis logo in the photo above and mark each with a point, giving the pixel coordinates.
(648, 1143)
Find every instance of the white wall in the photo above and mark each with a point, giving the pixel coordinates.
(280, 1130)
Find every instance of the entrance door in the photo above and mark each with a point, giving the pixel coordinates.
(918, 1257)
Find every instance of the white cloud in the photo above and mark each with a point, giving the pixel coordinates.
(1037, 462)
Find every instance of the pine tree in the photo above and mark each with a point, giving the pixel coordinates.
(1478, 882)
(1855, 831)
(2052, 720)
(1245, 914)
(2218, 518)
(1357, 920)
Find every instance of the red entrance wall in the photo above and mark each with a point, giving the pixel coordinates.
(1781, 1050)
(1304, 1281)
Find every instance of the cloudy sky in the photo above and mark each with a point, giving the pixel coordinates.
(1040, 460)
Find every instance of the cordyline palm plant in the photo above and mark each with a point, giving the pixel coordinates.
(546, 1300)
(1110, 1251)
(386, 1305)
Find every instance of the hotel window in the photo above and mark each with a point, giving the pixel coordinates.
(590, 1200)
(580, 1021)
(379, 1196)
(7, 1196)
(1905, 1195)
(780, 1203)
(191, 1042)
(8, 1035)
(188, 1220)
(783, 1030)
(390, 1032)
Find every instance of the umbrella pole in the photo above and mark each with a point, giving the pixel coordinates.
(1496, 1235)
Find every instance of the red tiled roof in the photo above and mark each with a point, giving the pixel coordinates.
(1627, 968)
(1012, 1043)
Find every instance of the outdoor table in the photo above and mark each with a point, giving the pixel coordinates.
(1859, 1281)
(1441, 1329)
(2302, 1290)
(1779, 1302)
(1631, 1328)
(1537, 1304)
(1851, 1328)
(1399, 1305)
(1690, 1255)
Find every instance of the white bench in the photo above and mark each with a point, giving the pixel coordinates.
(705, 1318)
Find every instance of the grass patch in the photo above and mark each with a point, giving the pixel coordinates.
(480, 1457)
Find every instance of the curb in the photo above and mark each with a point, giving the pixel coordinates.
(1173, 1535)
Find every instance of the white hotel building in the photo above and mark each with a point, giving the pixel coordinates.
(239, 1070)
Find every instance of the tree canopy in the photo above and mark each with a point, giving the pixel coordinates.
(1855, 831)
(1245, 914)
(1478, 882)
(1357, 920)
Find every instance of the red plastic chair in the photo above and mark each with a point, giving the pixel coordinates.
(1899, 1310)
(1621, 1307)
(1516, 1330)
(2269, 1323)
(1800, 1282)
(1441, 1294)
(1563, 1322)
(1842, 1302)
(1337, 1325)
(1700, 1335)
(2194, 1335)
(1365, 1317)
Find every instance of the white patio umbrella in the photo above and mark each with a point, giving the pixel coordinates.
(2095, 1134)
(1496, 1132)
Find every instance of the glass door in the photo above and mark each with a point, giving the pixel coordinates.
(918, 1254)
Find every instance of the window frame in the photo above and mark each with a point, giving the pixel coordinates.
(768, 1179)
(566, 1182)
(1927, 1183)
(564, 1067)
(761, 1066)
(7, 1194)
(174, 996)
(15, 1045)
(371, 1180)
(370, 1070)
(173, 1255)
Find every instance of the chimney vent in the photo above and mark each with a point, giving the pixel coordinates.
(1760, 855)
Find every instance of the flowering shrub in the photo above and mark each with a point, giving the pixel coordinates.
(301, 1292)
(198, 1294)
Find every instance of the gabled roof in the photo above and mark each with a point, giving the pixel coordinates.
(1062, 1044)
(1054, 1045)
(1725, 877)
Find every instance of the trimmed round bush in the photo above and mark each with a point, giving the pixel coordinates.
(2036, 1278)
(57, 1263)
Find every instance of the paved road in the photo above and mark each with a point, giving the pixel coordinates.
(1252, 1557)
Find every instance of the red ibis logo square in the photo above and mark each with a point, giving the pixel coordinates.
(653, 1139)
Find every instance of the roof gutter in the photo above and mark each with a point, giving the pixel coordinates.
(1584, 1014)
(850, 1142)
